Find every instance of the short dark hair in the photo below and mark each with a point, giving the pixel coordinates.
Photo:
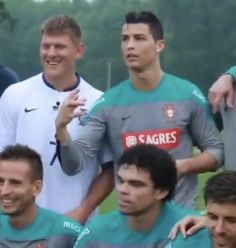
(157, 162)
(148, 18)
(24, 153)
(62, 24)
(221, 188)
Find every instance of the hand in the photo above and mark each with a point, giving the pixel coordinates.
(67, 109)
(187, 226)
(222, 88)
(78, 214)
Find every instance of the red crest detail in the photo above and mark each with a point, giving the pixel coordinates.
(170, 112)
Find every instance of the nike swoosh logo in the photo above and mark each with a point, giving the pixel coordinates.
(29, 110)
(123, 118)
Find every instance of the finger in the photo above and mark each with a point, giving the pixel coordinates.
(229, 99)
(72, 94)
(76, 103)
(215, 101)
(194, 229)
(173, 232)
(79, 113)
(183, 228)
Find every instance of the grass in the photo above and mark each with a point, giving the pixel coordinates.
(111, 202)
(202, 178)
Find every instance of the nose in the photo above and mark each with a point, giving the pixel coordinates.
(130, 43)
(219, 227)
(51, 51)
(122, 188)
(5, 189)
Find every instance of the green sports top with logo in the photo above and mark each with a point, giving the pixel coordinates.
(173, 116)
(112, 231)
(48, 230)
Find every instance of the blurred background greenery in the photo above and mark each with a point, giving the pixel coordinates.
(200, 36)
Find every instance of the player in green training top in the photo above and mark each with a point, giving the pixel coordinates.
(22, 222)
(152, 107)
(146, 180)
(220, 199)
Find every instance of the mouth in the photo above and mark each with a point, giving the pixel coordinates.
(220, 241)
(6, 203)
(131, 56)
(52, 63)
(124, 203)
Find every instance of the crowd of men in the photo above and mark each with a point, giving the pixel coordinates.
(64, 145)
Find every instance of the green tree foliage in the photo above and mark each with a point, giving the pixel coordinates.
(5, 16)
(199, 35)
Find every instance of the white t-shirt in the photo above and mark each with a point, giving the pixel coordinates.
(27, 116)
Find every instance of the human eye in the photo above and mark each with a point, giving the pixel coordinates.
(16, 182)
(124, 37)
(211, 216)
(140, 37)
(119, 180)
(137, 184)
(45, 46)
(1, 180)
(60, 46)
(231, 220)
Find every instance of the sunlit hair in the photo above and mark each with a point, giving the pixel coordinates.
(24, 153)
(156, 161)
(148, 18)
(221, 188)
(62, 24)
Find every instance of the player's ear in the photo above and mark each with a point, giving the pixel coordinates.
(160, 46)
(37, 187)
(160, 194)
(80, 50)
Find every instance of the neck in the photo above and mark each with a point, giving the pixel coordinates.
(145, 221)
(62, 83)
(24, 219)
(148, 79)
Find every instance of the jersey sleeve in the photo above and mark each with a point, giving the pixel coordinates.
(105, 155)
(65, 232)
(74, 155)
(202, 127)
(8, 119)
(87, 238)
(232, 71)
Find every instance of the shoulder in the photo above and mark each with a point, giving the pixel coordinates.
(175, 212)
(101, 227)
(232, 72)
(18, 90)
(200, 239)
(105, 223)
(61, 224)
(111, 97)
(88, 89)
(185, 89)
(116, 90)
(3, 218)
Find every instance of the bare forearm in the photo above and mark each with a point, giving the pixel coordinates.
(202, 163)
(101, 187)
(63, 135)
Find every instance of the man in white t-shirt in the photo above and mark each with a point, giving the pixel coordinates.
(27, 115)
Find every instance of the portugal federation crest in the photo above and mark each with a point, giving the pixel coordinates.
(169, 112)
